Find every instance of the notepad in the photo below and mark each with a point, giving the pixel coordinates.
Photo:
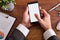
(6, 22)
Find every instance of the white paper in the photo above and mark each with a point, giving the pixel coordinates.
(6, 23)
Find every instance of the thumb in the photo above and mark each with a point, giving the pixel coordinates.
(39, 18)
(26, 11)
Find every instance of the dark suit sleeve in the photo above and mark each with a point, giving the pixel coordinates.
(50, 35)
(53, 38)
(16, 35)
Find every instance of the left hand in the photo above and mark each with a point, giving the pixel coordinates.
(26, 19)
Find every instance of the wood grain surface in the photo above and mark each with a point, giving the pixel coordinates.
(36, 32)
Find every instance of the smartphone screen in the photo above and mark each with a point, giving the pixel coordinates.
(33, 8)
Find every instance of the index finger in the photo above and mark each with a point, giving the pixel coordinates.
(44, 12)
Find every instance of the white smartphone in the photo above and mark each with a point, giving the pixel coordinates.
(33, 8)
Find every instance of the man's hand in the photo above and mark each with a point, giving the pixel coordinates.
(26, 19)
(46, 21)
(1, 35)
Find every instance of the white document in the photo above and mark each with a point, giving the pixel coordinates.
(6, 23)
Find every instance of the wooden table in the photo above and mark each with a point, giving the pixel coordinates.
(36, 32)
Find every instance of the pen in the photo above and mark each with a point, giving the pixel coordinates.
(54, 7)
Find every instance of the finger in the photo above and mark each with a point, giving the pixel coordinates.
(26, 11)
(39, 18)
(44, 12)
(41, 12)
(40, 8)
(30, 24)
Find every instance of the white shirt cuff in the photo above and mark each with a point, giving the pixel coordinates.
(49, 33)
(23, 29)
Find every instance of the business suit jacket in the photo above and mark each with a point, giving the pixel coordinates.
(17, 35)
(53, 38)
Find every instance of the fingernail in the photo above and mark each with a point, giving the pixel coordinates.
(1, 37)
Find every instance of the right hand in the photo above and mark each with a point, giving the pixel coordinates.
(1, 35)
(46, 21)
